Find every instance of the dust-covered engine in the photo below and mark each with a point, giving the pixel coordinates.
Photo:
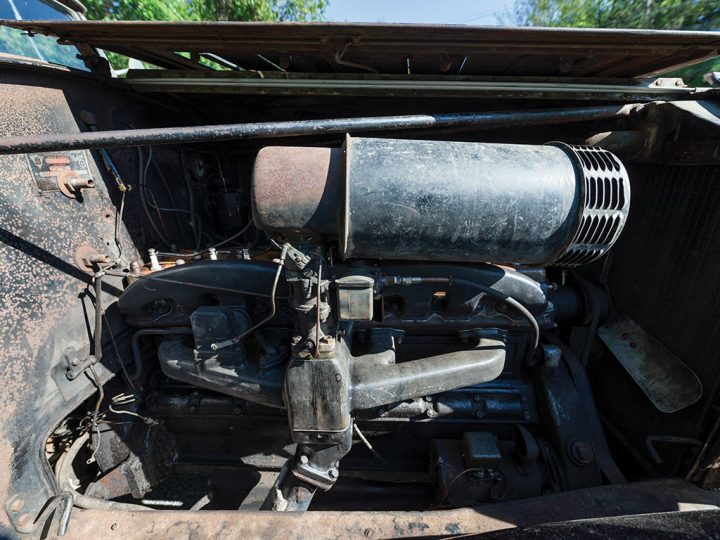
(405, 281)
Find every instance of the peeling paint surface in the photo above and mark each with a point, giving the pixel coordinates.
(46, 303)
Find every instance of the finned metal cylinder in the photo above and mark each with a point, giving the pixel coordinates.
(553, 204)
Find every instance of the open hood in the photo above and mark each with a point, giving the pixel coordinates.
(391, 49)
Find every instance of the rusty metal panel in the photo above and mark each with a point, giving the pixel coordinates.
(605, 501)
(297, 188)
(46, 297)
(400, 49)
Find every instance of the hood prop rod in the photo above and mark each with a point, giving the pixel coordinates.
(229, 132)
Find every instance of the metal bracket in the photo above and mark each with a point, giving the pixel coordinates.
(668, 82)
(76, 365)
(26, 525)
(296, 257)
(324, 479)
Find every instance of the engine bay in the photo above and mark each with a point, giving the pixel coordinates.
(394, 299)
(327, 304)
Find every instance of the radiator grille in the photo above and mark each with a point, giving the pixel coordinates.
(606, 201)
(666, 272)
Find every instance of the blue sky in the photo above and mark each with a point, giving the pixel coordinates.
(475, 12)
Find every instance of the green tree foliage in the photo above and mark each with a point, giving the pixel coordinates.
(653, 14)
(206, 10)
(201, 10)
(657, 14)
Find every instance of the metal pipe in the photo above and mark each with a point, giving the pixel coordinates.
(374, 385)
(97, 331)
(137, 137)
(234, 341)
(494, 293)
(137, 352)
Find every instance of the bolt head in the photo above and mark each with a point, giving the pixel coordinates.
(581, 453)
(304, 460)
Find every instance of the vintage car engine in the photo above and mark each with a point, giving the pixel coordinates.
(405, 281)
(317, 280)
